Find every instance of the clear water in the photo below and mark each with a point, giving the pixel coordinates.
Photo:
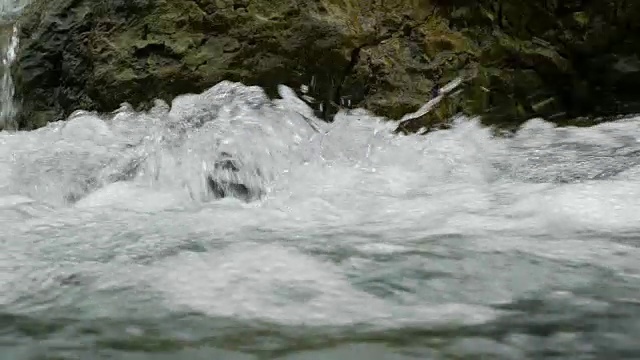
(363, 244)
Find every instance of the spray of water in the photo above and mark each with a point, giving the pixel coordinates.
(249, 213)
(122, 216)
(9, 41)
(7, 105)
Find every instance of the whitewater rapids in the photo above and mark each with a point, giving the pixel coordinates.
(361, 244)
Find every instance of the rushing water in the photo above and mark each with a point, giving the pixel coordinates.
(355, 244)
(8, 46)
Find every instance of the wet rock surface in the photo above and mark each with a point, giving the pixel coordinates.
(520, 59)
(224, 181)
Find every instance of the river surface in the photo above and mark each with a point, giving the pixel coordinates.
(359, 244)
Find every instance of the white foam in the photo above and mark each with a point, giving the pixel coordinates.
(350, 189)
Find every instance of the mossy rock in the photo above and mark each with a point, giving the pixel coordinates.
(521, 59)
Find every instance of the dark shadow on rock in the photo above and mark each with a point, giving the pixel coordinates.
(231, 185)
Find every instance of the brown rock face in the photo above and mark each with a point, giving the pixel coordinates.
(520, 58)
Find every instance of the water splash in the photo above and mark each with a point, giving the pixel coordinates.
(9, 42)
(458, 244)
(111, 218)
(7, 104)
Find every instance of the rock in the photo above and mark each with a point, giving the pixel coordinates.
(95, 55)
(552, 59)
(521, 58)
(225, 181)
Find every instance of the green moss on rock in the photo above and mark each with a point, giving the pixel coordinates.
(521, 58)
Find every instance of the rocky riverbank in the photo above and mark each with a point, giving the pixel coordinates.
(520, 59)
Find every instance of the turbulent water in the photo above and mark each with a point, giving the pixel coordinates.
(9, 9)
(356, 243)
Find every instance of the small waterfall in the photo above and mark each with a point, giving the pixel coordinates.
(7, 105)
(9, 9)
